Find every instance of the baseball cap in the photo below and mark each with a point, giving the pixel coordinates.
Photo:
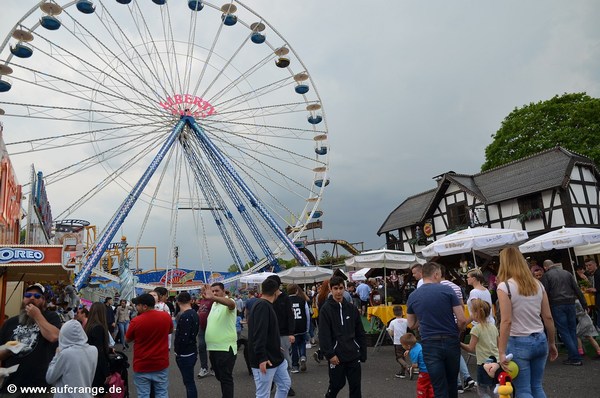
(37, 286)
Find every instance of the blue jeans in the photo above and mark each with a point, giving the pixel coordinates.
(279, 375)
(122, 330)
(144, 381)
(186, 367)
(463, 370)
(529, 353)
(566, 325)
(442, 358)
(298, 349)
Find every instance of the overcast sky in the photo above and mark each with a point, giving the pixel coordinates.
(412, 89)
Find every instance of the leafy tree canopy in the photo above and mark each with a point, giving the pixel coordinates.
(570, 120)
(284, 264)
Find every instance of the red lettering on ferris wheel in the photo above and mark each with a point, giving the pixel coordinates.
(188, 105)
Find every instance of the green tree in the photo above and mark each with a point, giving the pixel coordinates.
(326, 258)
(570, 120)
(286, 264)
(234, 268)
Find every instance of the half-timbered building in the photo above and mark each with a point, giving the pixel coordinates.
(539, 193)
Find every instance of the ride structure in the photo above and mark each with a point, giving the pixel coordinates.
(203, 117)
(219, 161)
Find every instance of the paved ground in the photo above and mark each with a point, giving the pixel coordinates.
(378, 379)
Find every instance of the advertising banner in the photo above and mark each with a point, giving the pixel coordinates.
(30, 255)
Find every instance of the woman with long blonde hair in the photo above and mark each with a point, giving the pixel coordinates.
(525, 312)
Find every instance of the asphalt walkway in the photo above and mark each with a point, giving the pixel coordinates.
(378, 379)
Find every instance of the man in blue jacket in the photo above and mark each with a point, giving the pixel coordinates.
(342, 340)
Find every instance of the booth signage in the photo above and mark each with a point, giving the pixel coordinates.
(21, 255)
(188, 105)
(10, 254)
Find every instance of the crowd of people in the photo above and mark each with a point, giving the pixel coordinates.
(515, 315)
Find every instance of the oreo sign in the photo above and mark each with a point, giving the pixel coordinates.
(9, 254)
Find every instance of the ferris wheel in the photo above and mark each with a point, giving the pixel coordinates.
(191, 124)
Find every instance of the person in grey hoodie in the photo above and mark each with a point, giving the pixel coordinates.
(72, 369)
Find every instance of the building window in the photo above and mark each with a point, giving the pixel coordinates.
(530, 202)
(458, 215)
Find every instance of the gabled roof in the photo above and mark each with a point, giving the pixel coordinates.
(468, 184)
(545, 170)
(409, 212)
(535, 173)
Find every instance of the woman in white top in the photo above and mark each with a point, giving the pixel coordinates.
(525, 311)
(475, 278)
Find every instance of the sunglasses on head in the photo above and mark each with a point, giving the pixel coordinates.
(34, 295)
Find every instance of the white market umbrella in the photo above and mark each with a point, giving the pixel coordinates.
(393, 259)
(471, 239)
(300, 274)
(257, 278)
(384, 258)
(360, 275)
(587, 250)
(563, 238)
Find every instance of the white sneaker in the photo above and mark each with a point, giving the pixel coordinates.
(203, 372)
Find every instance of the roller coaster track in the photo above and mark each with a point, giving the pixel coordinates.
(335, 242)
(345, 244)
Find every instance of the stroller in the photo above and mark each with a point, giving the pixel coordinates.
(118, 377)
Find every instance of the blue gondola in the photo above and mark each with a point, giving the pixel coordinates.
(159, 2)
(301, 88)
(315, 119)
(299, 245)
(317, 214)
(229, 19)
(4, 86)
(49, 22)
(257, 38)
(123, 1)
(21, 50)
(321, 151)
(86, 6)
(195, 5)
(320, 182)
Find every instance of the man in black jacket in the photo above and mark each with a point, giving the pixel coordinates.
(266, 359)
(342, 340)
(285, 318)
(185, 342)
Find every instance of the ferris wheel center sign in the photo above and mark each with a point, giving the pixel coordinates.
(188, 105)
